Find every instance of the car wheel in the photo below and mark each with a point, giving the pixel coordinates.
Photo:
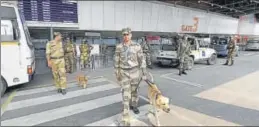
(160, 64)
(190, 63)
(212, 60)
(175, 64)
(3, 86)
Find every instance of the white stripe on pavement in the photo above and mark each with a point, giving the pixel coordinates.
(110, 121)
(50, 88)
(57, 97)
(50, 115)
(184, 82)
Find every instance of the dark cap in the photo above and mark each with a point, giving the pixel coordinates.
(126, 30)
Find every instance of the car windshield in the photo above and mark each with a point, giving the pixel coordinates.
(222, 42)
(253, 41)
(155, 46)
(168, 47)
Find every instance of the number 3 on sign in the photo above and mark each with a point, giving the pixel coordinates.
(203, 53)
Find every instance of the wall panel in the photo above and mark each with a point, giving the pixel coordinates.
(138, 16)
(120, 15)
(109, 15)
(97, 15)
(152, 16)
(129, 13)
(147, 10)
(85, 14)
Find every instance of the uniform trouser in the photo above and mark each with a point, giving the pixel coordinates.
(148, 58)
(130, 83)
(69, 59)
(59, 73)
(83, 60)
(230, 57)
(183, 63)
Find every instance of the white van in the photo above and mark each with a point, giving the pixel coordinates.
(17, 51)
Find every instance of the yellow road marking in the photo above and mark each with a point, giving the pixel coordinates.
(7, 102)
(9, 43)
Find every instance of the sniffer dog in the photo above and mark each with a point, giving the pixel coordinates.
(157, 100)
(82, 80)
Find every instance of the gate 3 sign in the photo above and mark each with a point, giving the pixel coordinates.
(191, 28)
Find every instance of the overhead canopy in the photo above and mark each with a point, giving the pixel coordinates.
(232, 8)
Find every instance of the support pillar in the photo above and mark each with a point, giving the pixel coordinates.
(51, 33)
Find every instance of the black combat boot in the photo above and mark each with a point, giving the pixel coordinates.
(226, 63)
(180, 72)
(63, 91)
(232, 62)
(184, 72)
(134, 109)
(59, 90)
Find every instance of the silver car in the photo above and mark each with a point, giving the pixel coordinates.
(252, 45)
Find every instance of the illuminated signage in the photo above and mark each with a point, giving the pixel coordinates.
(191, 28)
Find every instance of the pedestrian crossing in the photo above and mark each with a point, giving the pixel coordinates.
(98, 104)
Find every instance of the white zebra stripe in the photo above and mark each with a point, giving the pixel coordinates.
(49, 88)
(57, 97)
(50, 115)
(110, 120)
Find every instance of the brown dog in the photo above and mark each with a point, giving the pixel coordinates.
(82, 80)
(157, 100)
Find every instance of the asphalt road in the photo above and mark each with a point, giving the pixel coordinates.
(37, 103)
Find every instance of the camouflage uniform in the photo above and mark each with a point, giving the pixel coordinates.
(75, 58)
(129, 62)
(55, 53)
(84, 54)
(231, 52)
(183, 54)
(69, 56)
(104, 49)
(146, 51)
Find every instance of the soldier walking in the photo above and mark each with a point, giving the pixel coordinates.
(104, 49)
(146, 50)
(130, 66)
(69, 55)
(231, 52)
(55, 59)
(183, 53)
(84, 53)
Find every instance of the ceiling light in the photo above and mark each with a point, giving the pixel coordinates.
(199, 1)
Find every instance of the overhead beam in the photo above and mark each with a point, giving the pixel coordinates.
(201, 1)
(243, 1)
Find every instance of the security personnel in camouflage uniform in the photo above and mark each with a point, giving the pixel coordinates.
(129, 65)
(146, 51)
(75, 58)
(183, 53)
(104, 50)
(84, 53)
(231, 52)
(56, 61)
(69, 55)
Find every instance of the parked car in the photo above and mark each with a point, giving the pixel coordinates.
(252, 45)
(199, 52)
(221, 47)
